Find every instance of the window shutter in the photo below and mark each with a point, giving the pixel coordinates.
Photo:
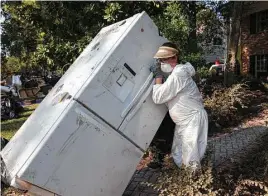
(253, 25)
(252, 65)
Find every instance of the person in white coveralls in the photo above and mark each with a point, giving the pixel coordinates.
(175, 87)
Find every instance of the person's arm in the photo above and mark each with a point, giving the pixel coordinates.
(159, 80)
(163, 93)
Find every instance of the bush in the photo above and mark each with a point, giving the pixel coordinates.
(227, 106)
(203, 72)
(195, 59)
(181, 181)
(254, 83)
(248, 176)
(12, 64)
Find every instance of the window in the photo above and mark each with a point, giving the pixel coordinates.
(262, 21)
(261, 63)
(217, 41)
(258, 21)
(258, 65)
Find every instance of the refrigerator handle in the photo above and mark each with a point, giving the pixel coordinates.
(142, 100)
(138, 95)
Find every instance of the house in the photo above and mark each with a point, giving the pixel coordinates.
(212, 37)
(254, 39)
(216, 49)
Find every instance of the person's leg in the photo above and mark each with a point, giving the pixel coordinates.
(194, 140)
(176, 151)
(203, 134)
(162, 141)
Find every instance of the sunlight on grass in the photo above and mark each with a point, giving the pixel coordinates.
(10, 127)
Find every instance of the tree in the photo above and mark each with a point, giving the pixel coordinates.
(49, 34)
(173, 24)
(179, 24)
(52, 34)
(116, 11)
(233, 22)
(209, 25)
(191, 12)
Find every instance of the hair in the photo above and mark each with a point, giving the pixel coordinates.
(172, 45)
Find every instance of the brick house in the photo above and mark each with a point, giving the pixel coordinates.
(254, 40)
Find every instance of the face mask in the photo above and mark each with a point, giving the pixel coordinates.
(165, 67)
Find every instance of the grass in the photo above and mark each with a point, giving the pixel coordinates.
(10, 127)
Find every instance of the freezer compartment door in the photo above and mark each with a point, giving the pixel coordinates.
(92, 57)
(117, 84)
(82, 156)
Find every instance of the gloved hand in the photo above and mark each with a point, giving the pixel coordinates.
(156, 70)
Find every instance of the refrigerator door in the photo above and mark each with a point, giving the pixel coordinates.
(32, 132)
(81, 156)
(143, 120)
(120, 80)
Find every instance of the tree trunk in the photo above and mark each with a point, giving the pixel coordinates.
(192, 40)
(233, 41)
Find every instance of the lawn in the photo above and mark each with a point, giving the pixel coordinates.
(10, 127)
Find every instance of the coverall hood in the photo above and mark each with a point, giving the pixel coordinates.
(188, 68)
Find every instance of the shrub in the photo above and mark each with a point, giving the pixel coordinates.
(254, 83)
(247, 176)
(226, 105)
(203, 72)
(181, 181)
(195, 59)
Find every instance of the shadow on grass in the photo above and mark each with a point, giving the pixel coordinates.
(30, 108)
(26, 114)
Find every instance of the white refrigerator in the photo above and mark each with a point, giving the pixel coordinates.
(89, 133)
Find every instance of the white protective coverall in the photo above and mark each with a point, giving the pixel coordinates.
(186, 109)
